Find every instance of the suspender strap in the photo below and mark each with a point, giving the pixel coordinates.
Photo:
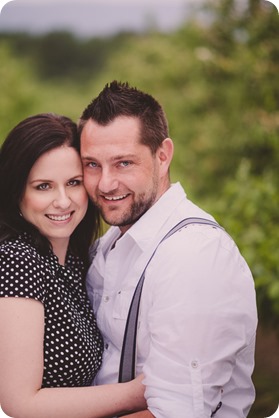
(128, 353)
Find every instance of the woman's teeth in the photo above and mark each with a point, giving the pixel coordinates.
(59, 217)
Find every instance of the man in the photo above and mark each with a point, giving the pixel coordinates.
(197, 321)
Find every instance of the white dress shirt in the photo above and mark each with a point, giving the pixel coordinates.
(198, 317)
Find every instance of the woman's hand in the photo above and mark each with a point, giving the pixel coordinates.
(141, 414)
(137, 389)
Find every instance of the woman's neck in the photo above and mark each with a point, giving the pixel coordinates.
(60, 247)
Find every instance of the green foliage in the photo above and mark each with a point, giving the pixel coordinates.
(60, 56)
(251, 204)
(17, 97)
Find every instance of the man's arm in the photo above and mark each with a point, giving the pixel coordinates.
(203, 321)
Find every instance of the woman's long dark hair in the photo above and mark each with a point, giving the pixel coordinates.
(26, 142)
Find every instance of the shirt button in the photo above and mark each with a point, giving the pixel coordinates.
(194, 364)
(106, 298)
(106, 346)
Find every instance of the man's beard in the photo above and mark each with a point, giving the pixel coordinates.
(134, 212)
(137, 209)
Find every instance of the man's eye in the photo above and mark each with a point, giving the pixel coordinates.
(92, 164)
(125, 163)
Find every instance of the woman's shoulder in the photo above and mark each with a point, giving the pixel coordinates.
(20, 245)
(22, 271)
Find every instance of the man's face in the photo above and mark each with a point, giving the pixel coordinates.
(121, 175)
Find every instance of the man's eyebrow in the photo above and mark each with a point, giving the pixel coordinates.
(114, 158)
(124, 157)
(87, 158)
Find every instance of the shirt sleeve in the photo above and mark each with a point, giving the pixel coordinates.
(202, 321)
(21, 274)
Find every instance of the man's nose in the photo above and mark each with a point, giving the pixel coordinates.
(108, 181)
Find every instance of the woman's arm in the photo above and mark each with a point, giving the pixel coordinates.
(140, 414)
(21, 372)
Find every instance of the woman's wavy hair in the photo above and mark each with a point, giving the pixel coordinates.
(25, 143)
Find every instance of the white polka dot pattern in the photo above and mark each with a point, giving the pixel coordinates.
(72, 342)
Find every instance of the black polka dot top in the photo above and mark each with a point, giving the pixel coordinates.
(73, 345)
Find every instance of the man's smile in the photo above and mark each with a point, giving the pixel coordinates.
(115, 198)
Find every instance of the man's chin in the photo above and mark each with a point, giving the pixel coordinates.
(125, 219)
(111, 220)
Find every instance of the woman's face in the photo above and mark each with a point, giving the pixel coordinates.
(55, 200)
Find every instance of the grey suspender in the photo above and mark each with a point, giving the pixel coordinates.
(128, 353)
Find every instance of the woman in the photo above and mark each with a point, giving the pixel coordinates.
(51, 347)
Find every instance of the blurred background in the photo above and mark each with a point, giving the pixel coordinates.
(214, 66)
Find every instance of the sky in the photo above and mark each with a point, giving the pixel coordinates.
(86, 18)
(93, 17)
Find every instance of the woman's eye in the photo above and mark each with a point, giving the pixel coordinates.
(74, 182)
(43, 186)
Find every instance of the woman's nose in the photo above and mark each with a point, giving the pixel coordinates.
(62, 200)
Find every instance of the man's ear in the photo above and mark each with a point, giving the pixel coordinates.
(165, 154)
